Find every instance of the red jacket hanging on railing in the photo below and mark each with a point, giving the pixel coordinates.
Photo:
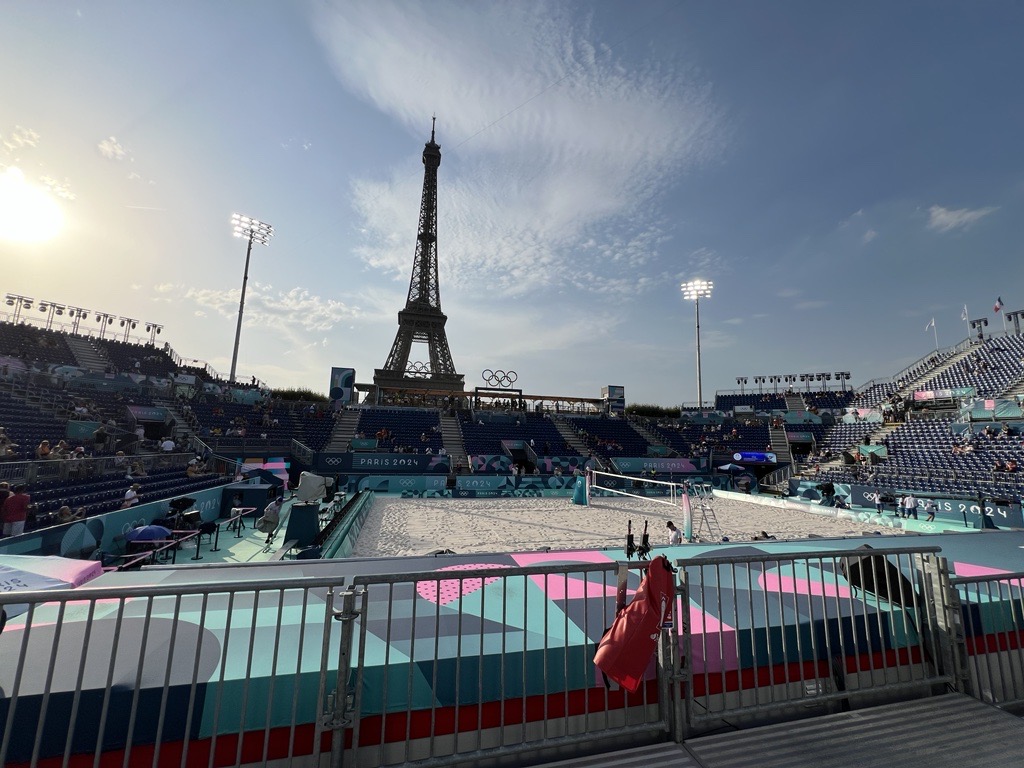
(626, 649)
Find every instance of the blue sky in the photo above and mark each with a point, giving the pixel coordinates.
(843, 172)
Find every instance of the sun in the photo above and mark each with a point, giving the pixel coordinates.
(27, 213)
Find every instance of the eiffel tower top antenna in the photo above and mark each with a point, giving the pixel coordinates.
(422, 321)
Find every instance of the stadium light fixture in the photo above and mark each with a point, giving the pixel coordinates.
(77, 315)
(19, 303)
(104, 319)
(842, 377)
(254, 231)
(741, 380)
(51, 309)
(153, 329)
(775, 382)
(128, 323)
(979, 325)
(695, 290)
(1015, 317)
(760, 380)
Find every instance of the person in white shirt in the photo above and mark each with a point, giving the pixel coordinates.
(909, 506)
(167, 446)
(675, 536)
(131, 496)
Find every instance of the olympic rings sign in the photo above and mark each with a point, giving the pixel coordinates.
(418, 370)
(499, 378)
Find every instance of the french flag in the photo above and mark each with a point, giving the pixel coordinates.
(999, 304)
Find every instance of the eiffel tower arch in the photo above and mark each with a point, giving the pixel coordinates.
(422, 321)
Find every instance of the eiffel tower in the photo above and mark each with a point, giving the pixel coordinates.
(422, 321)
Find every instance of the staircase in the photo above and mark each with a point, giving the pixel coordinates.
(795, 402)
(87, 355)
(344, 431)
(649, 436)
(1014, 390)
(878, 435)
(451, 437)
(780, 443)
(182, 427)
(931, 373)
(570, 436)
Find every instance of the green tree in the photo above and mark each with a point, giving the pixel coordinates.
(299, 394)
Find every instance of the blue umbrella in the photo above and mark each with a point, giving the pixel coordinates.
(148, 533)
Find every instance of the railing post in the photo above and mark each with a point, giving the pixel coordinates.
(947, 613)
(338, 716)
(682, 663)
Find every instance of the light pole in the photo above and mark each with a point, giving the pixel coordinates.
(695, 290)
(775, 382)
(19, 303)
(51, 309)
(760, 380)
(153, 329)
(104, 319)
(979, 325)
(254, 231)
(128, 323)
(77, 315)
(741, 380)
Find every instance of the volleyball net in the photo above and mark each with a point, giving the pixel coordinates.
(605, 485)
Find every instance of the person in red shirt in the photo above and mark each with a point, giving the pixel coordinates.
(15, 511)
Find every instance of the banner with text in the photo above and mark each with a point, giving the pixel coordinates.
(333, 463)
(626, 465)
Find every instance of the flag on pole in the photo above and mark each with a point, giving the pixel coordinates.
(999, 304)
(963, 315)
(930, 325)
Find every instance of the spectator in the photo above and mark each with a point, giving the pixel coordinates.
(65, 515)
(43, 450)
(168, 446)
(15, 511)
(99, 439)
(131, 496)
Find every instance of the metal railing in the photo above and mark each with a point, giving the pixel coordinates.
(474, 663)
(993, 611)
(775, 634)
(302, 452)
(89, 468)
(489, 669)
(200, 674)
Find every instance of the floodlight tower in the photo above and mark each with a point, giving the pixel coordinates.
(695, 290)
(256, 232)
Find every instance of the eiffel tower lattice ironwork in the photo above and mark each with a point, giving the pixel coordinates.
(422, 321)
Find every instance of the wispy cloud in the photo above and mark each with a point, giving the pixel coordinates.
(813, 304)
(555, 149)
(944, 219)
(868, 236)
(112, 149)
(855, 216)
(267, 306)
(18, 138)
(61, 189)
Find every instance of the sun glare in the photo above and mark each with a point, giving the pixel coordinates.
(27, 213)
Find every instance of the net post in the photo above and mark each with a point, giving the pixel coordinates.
(587, 479)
